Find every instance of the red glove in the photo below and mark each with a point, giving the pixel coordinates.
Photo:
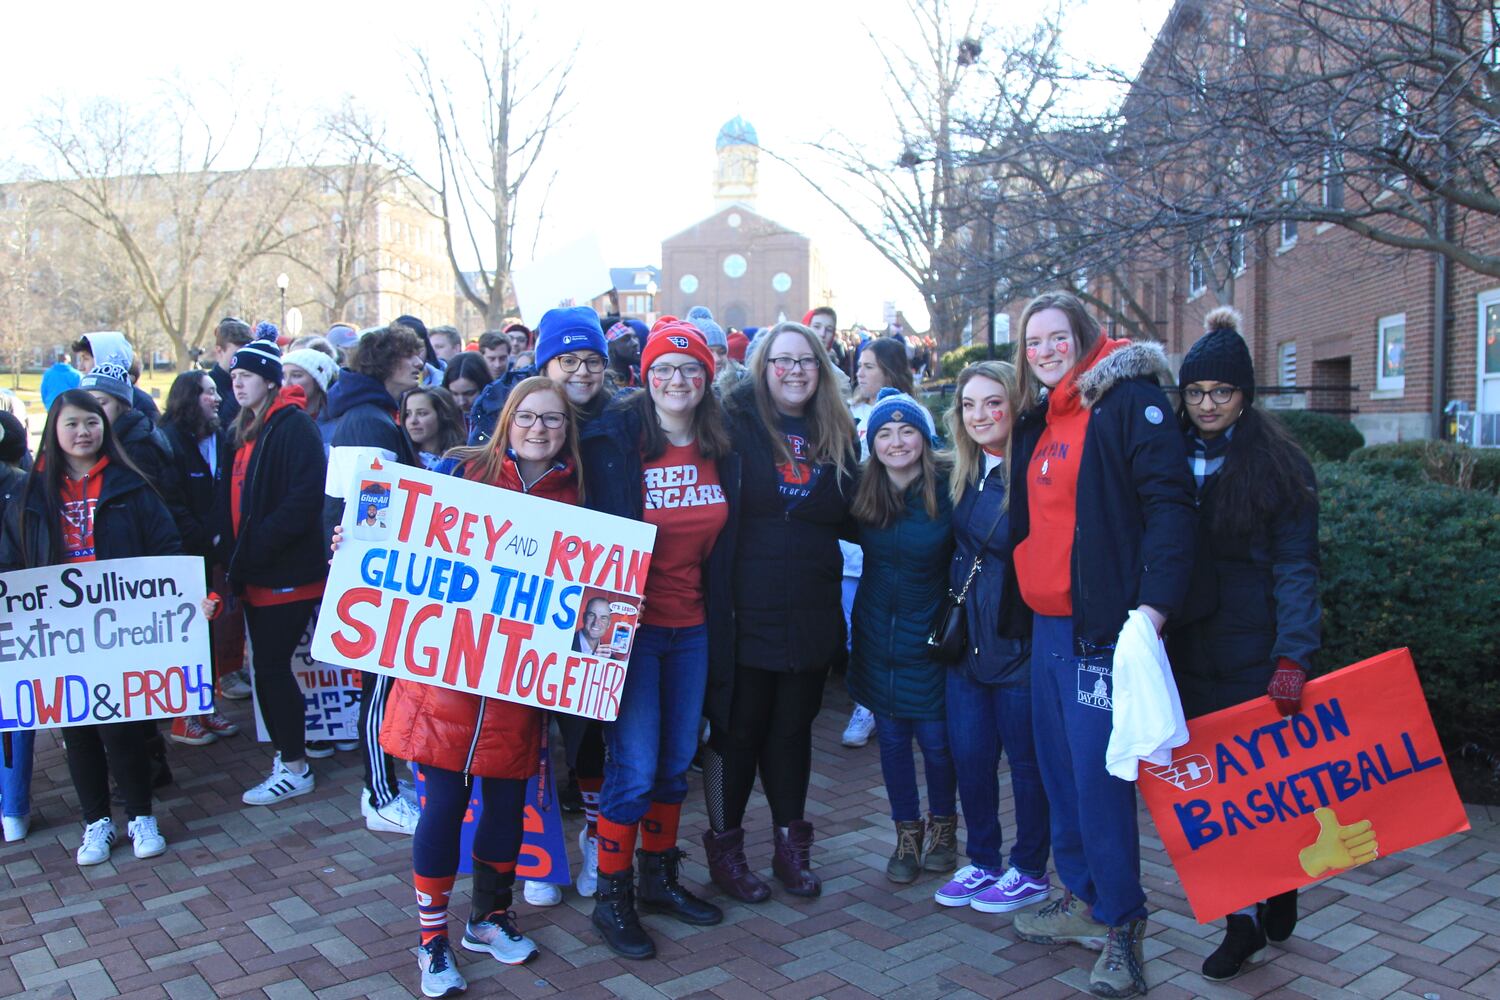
(1285, 688)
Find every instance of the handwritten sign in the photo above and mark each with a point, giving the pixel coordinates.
(117, 640)
(488, 591)
(330, 694)
(1256, 804)
(544, 852)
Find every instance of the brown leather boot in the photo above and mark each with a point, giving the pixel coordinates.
(730, 869)
(791, 863)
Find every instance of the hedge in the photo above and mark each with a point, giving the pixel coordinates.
(955, 360)
(1445, 462)
(1417, 564)
(1322, 435)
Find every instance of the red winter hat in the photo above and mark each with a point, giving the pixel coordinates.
(672, 336)
(738, 345)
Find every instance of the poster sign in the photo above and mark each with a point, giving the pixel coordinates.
(330, 694)
(118, 640)
(492, 592)
(1256, 804)
(573, 274)
(544, 852)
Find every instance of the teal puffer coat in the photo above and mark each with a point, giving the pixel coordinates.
(905, 579)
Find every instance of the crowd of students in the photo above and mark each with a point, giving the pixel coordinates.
(974, 604)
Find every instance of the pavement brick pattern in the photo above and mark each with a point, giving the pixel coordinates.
(303, 901)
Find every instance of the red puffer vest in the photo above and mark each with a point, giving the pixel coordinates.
(468, 733)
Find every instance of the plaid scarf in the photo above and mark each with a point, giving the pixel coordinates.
(1207, 457)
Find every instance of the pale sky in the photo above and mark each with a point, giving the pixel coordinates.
(655, 81)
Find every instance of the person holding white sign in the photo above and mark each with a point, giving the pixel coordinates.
(662, 456)
(83, 502)
(458, 737)
(274, 538)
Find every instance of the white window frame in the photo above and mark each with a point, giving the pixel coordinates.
(1197, 274)
(1236, 246)
(1383, 382)
(1332, 181)
(1286, 355)
(1288, 227)
(1482, 303)
(1239, 22)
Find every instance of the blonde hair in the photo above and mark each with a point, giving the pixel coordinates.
(484, 461)
(830, 429)
(968, 457)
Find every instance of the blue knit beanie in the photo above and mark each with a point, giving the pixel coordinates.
(563, 331)
(895, 406)
(703, 319)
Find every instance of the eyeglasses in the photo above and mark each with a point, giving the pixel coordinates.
(1220, 394)
(551, 421)
(570, 363)
(787, 363)
(666, 372)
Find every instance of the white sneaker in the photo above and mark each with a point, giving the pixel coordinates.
(440, 978)
(588, 871)
(98, 838)
(16, 827)
(235, 685)
(501, 939)
(282, 784)
(147, 838)
(541, 893)
(400, 815)
(861, 725)
(408, 791)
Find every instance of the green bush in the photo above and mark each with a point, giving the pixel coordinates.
(1416, 564)
(955, 360)
(1322, 435)
(1445, 462)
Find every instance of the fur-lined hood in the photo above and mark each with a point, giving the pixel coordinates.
(1135, 360)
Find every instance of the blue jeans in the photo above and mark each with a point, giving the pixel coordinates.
(899, 765)
(653, 740)
(983, 720)
(1095, 843)
(15, 781)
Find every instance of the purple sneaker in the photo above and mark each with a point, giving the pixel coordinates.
(1011, 892)
(968, 882)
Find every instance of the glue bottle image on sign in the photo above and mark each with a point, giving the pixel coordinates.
(621, 628)
(372, 518)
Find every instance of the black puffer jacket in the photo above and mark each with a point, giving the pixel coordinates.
(280, 537)
(788, 571)
(130, 520)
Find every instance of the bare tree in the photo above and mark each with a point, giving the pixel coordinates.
(157, 185)
(487, 146)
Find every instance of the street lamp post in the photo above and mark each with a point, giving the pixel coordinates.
(281, 282)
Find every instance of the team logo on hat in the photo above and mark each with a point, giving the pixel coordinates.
(111, 369)
(677, 341)
(898, 415)
(573, 338)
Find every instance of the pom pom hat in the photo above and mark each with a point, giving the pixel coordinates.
(703, 319)
(1220, 355)
(672, 336)
(892, 406)
(317, 364)
(261, 355)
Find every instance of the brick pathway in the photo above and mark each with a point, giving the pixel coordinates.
(304, 901)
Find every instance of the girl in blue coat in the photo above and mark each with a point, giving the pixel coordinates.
(906, 533)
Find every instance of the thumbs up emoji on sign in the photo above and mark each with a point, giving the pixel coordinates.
(1338, 846)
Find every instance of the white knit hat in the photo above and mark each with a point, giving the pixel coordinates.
(317, 364)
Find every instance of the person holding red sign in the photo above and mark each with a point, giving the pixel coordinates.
(1102, 520)
(459, 738)
(85, 500)
(799, 458)
(1251, 623)
(663, 456)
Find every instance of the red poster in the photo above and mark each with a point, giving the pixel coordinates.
(1256, 804)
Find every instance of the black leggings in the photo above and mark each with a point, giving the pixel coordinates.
(275, 630)
(118, 750)
(497, 838)
(770, 729)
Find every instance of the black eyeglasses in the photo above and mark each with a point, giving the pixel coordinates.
(570, 363)
(787, 363)
(666, 372)
(1220, 394)
(552, 421)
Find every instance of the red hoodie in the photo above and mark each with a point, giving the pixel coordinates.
(1044, 559)
(80, 498)
(287, 397)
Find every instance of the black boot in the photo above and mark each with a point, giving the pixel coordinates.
(660, 892)
(615, 918)
(1244, 942)
(1278, 916)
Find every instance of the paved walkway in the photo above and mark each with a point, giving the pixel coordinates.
(304, 901)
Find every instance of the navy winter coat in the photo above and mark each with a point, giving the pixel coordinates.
(130, 520)
(1253, 600)
(1135, 517)
(195, 521)
(905, 577)
(981, 514)
(366, 416)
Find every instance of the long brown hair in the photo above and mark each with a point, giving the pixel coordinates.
(1085, 331)
(708, 425)
(484, 461)
(890, 358)
(450, 418)
(830, 429)
(249, 422)
(879, 502)
(968, 457)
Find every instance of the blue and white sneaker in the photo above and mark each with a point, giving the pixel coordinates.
(440, 977)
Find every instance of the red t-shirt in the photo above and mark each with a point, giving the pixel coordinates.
(685, 501)
(80, 498)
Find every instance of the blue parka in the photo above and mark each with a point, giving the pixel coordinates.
(981, 528)
(905, 578)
